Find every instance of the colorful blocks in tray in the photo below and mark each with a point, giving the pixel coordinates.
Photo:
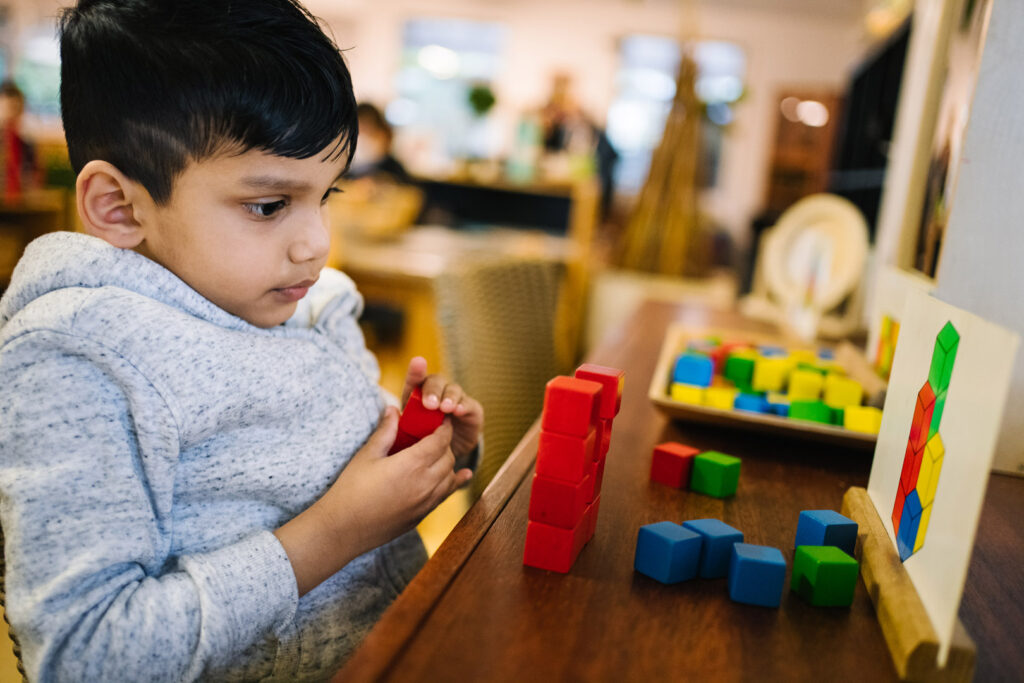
(560, 456)
(715, 474)
(716, 549)
(671, 464)
(824, 576)
(612, 382)
(769, 374)
(805, 385)
(754, 403)
(667, 552)
(842, 391)
(757, 575)
(693, 368)
(687, 393)
(811, 411)
(826, 527)
(739, 368)
(570, 405)
(722, 398)
(866, 419)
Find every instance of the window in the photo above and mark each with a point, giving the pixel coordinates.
(645, 86)
(442, 61)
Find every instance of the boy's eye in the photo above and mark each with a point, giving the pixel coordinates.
(330, 191)
(265, 209)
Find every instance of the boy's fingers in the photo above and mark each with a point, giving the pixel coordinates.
(414, 376)
(451, 397)
(433, 388)
(382, 438)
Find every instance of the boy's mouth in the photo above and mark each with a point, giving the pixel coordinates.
(296, 291)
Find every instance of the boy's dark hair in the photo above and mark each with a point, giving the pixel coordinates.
(149, 85)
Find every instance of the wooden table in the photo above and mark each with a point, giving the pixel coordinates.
(476, 613)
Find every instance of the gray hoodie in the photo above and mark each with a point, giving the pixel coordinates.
(149, 444)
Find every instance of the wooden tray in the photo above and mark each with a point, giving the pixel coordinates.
(847, 356)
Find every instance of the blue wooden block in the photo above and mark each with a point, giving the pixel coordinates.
(716, 551)
(752, 402)
(909, 522)
(780, 409)
(826, 527)
(772, 351)
(826, 354)
(667, 552)
(693, 368)
(757, 575)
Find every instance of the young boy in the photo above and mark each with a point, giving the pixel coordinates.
(194, 480)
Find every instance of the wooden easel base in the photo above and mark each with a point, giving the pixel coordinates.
(908, 631)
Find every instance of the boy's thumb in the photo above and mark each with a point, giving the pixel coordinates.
(380, 441)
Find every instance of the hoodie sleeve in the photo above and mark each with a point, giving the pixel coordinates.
(88, 449)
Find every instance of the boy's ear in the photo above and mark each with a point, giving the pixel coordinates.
(109, 203)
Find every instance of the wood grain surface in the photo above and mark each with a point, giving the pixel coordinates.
(476, 613)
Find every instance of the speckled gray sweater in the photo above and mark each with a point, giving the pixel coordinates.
(149, 443)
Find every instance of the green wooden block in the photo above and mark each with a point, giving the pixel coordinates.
(946, 344)
(812, 411)
(715, 474)
(824, 575)
(739, 370)
(940, 405)
(838, 416)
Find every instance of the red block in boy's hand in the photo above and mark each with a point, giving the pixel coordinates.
(570, 406)
(611, 381)
(416, 422)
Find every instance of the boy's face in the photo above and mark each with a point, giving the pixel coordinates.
(247, 231)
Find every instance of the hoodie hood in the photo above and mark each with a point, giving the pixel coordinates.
(63, 260)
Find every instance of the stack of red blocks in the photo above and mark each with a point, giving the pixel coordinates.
(576, 429)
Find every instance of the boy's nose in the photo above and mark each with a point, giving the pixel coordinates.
(312, 243)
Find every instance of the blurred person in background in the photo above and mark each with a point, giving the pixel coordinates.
(373, 158)
(19, 167)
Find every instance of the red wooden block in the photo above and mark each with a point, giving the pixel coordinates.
(402, 441)
(598, 478)
(611, 380)
(604, 436)
(671, 463)
(551, 547)
(911, 466)
(922, 417)
(565, 457)
(897, 509)
(591, 491)
(570, 405)
(416, 420)
(592, 518)
(558, 503)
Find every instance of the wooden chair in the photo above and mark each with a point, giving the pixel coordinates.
(497, 319)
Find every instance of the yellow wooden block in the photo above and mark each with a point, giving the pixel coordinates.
(922, 527)
(720, 397)
(770, 374)
(749, 354)
(688, 393)
(805, 385)
(832, 368)
(867, 419)
(931, 466)
(842, 391)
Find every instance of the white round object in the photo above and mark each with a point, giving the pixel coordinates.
(814, 257)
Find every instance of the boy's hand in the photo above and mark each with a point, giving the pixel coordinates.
(375, 499)
(466, 412)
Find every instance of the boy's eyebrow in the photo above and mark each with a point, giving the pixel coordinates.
(267, 182)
